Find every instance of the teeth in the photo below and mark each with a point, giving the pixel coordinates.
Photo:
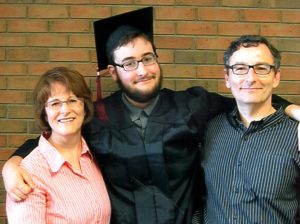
(66, 120)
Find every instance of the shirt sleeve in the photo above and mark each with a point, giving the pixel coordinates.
(218, 104)
(210, 104)
(280, 101)
(26, 148)
(29, 211)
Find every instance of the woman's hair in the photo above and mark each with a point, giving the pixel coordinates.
(72, 80)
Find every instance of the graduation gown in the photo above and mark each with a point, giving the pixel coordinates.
(155, 179)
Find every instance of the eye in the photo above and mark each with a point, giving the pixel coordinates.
(262, 67)
(130, 64)
(72, 101)
(148, 58)
(240, 67)
(54, 103)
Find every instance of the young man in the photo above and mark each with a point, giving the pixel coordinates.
(148, 147)
(251, 159)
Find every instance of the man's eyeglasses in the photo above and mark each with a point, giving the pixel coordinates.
(259, 69)
(148, 59)
(57, 104)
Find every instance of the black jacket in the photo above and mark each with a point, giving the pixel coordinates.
(155, 179)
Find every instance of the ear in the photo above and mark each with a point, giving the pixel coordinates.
(276, 78)
(226, 77)
(112, 72)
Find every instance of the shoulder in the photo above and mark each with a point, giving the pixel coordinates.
(34, 161)
(184, 96)
(219, 119)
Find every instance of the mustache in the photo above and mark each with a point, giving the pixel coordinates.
(145, 78)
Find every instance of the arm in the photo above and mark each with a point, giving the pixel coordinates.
(30, 211)
(213, 103)
(16, 180)
(293, 111)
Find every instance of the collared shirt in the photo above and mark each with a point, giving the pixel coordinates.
(135, 112)
(251, 173)
(62, 194)
(140, 116)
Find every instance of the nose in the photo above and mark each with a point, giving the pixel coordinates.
(65, 106)
(251, 75)
(141, 69)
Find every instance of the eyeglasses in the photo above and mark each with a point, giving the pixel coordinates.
(57, 104)
(148, 59)
(259, 69)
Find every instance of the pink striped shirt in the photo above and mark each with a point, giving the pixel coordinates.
(62, 194)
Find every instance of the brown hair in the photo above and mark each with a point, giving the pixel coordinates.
(72, 80)
(251, 41)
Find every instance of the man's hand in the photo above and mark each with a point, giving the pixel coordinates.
(18, 183)
(293, 111)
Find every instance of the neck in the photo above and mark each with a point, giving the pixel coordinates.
(64, 143)
(249, 113)
(69, 147)
(140, 105)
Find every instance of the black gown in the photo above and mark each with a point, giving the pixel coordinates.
(155, 179)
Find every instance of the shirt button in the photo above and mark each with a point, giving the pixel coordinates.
(239, 163)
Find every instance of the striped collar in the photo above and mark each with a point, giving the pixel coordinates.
(234, 119)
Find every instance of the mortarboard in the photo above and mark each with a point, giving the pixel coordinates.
(108, 31)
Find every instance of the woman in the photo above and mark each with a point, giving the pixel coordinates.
(68, 185)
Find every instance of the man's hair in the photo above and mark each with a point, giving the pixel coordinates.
(122, 36)
(72, 80)
(251, 41)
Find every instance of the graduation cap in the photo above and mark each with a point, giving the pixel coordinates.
(109, 31)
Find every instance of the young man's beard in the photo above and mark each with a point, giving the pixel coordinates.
(139, 96)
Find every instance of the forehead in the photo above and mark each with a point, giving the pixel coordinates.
(135, 48)
(259, 54)
(58, 88)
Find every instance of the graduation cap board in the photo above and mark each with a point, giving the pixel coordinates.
(108, 31)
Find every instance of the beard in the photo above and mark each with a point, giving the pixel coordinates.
(138, 95)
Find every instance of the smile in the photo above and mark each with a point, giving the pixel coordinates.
(66, 120)
(144, 79)
(250, 89)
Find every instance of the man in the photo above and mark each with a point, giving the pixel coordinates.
(251, 159)
(148, 147)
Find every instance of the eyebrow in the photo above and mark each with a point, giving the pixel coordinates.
(256, 63)
(134, 58)
(55, 99)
